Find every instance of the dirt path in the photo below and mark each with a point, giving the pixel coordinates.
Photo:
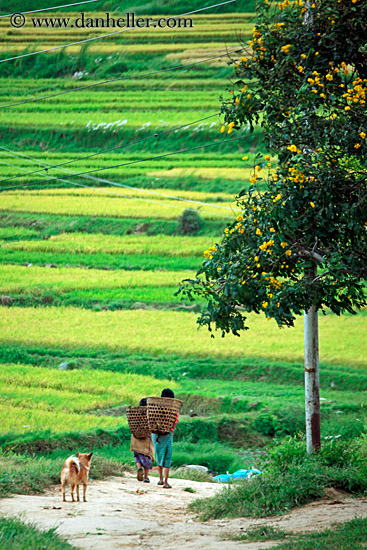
(117, 517)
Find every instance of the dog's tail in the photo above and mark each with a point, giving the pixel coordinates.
(72, 460)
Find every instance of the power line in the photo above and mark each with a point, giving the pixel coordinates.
(103, 180)
(48, 9)
(111, 148)
(109, 34)
(131, 162)
(140, 198)
(130, 77)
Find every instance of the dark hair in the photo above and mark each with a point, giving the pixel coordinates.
(143, 402)
(167, 393)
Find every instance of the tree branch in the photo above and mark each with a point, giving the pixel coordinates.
(311, 254)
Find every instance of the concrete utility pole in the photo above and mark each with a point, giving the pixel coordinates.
(311, 338)
(312, 379)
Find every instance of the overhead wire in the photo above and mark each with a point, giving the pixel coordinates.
(86, 174)
(115, 193)
(48, 9)
(128, 77)
(123, 146)
(103, 180)
(110, 34)
(76, 174)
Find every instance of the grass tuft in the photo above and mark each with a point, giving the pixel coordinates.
(16, 535)
(259, 534)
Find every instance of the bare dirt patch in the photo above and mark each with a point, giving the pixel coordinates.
(117, 516)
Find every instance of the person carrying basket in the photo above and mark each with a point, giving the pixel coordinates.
(143, 452)
(163, 446)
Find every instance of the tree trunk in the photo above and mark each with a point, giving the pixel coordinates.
(312, 380)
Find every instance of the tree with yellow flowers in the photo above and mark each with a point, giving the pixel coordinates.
(300, 245)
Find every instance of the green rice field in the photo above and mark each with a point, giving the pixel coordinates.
(89, 270)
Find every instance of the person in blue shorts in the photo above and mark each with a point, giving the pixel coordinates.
(163, 446)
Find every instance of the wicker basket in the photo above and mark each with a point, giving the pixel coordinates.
(138, 421)
(162, 413)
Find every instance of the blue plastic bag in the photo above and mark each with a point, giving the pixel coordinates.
(239, 474)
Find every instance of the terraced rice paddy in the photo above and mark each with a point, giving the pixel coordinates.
(165, 333)
(46, 203)
(89, 275)
(52, 400)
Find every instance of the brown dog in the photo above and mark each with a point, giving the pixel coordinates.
(75, 471)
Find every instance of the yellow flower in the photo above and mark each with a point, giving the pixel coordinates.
(258, 168)
(347, 108)
(312, 204)
(245, 157)
(288, 252)
(239, 218)
(329, 77)
(272, 230)
(303, 55)
(230, 127)
(357, 145)
(265, 304)
(237, 100)
(292, 148)
(270, 295)
(258, 232)
(222, 129)
(316, 53)
(283, 245)
(363, 135)
(300, 69)
(267, 157)
(286, 48)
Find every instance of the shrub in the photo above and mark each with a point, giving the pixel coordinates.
(267, 424)
(189, 222)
